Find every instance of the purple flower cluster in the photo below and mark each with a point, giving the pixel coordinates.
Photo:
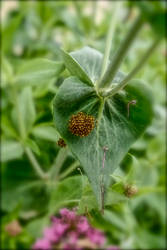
(71, 232)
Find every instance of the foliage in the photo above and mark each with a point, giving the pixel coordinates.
(51, 65)
(114, 129)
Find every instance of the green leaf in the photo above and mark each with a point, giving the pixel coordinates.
(28, 196)
(88, 200)
(114, 197)
(114, 129)
(24, 113)
(86, 64)
(90, 60)
(7, 127)
(20, 188)
(115, 220)
(66, 192)
(11, 150)
(38, 70)
(7, 71)
(35, 228)
(75, 69)
(9, 32)
(46, 132)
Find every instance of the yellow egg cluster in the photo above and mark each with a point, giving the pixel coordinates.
(61, 143)
(81, 124)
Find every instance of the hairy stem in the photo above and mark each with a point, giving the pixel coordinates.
(70, 169)
(111, 30)
(78, 10)
(55, 169)
(149, 189)
(122, 51)
(135, 70)
(35, 164)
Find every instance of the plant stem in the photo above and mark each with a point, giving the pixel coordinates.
(35, 164)
(135, 70)
(111, 30)
(71, 168)
(94, 10)
(23, 135)
(122, 51)
(55, 169)
(149, 189)
(78, 11)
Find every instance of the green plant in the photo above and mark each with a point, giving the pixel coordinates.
(108, 128)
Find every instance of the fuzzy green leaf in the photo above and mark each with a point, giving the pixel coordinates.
(90, 60)
(66, 192)
(114, 129)
(86, 64)
(75, 68)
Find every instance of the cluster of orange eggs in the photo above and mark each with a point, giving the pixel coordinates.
(81, 124)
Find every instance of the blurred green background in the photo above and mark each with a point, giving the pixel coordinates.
(37, 29)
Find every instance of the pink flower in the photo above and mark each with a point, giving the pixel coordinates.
(113, 248)
(69, 247)
(55, 219)
(71, 232)
(83, 225)
(68, 215)
(96, 236)
(42, 244)
(72, 237)
(60, 228)
(64, 212)
(50, 234)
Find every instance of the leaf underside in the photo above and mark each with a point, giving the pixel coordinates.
(113, 129)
